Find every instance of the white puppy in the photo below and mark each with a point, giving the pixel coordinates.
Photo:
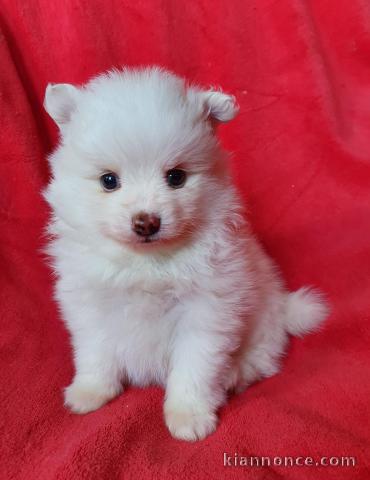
(160, 279)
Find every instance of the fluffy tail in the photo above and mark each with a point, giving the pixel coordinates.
(306, 309)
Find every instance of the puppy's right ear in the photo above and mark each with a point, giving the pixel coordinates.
(60, 102)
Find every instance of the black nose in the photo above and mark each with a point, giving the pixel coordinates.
(145, 224)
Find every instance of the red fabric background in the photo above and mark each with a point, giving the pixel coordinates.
(301, 73)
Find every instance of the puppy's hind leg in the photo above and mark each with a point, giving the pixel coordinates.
(296, 314)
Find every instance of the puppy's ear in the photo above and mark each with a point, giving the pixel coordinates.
(60, 102)
(220, 106)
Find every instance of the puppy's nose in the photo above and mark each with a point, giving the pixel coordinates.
(145, 224)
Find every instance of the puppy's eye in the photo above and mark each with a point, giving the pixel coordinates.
(109, 181)
(176, 177)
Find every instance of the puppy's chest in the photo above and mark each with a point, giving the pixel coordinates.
(148, 302)
(140, 309)
(142, 324)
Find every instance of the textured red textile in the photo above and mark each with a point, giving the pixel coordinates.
(301, 73)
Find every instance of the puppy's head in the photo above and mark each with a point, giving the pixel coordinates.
(138, 160)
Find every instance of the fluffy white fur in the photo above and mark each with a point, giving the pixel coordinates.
(202, 309)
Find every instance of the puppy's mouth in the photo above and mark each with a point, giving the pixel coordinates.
(148, 240)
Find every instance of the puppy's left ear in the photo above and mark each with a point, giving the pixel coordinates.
(220, 106)
(60, 102)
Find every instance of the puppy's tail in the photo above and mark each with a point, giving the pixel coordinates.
(306, 309)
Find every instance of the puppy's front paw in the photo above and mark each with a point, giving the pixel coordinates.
(186, 423)
(83, 397)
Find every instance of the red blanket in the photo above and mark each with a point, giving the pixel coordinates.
(301, 73)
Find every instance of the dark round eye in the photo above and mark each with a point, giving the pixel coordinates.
(176, 177)
(109, 181)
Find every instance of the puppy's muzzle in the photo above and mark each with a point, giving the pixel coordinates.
(145, 224)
